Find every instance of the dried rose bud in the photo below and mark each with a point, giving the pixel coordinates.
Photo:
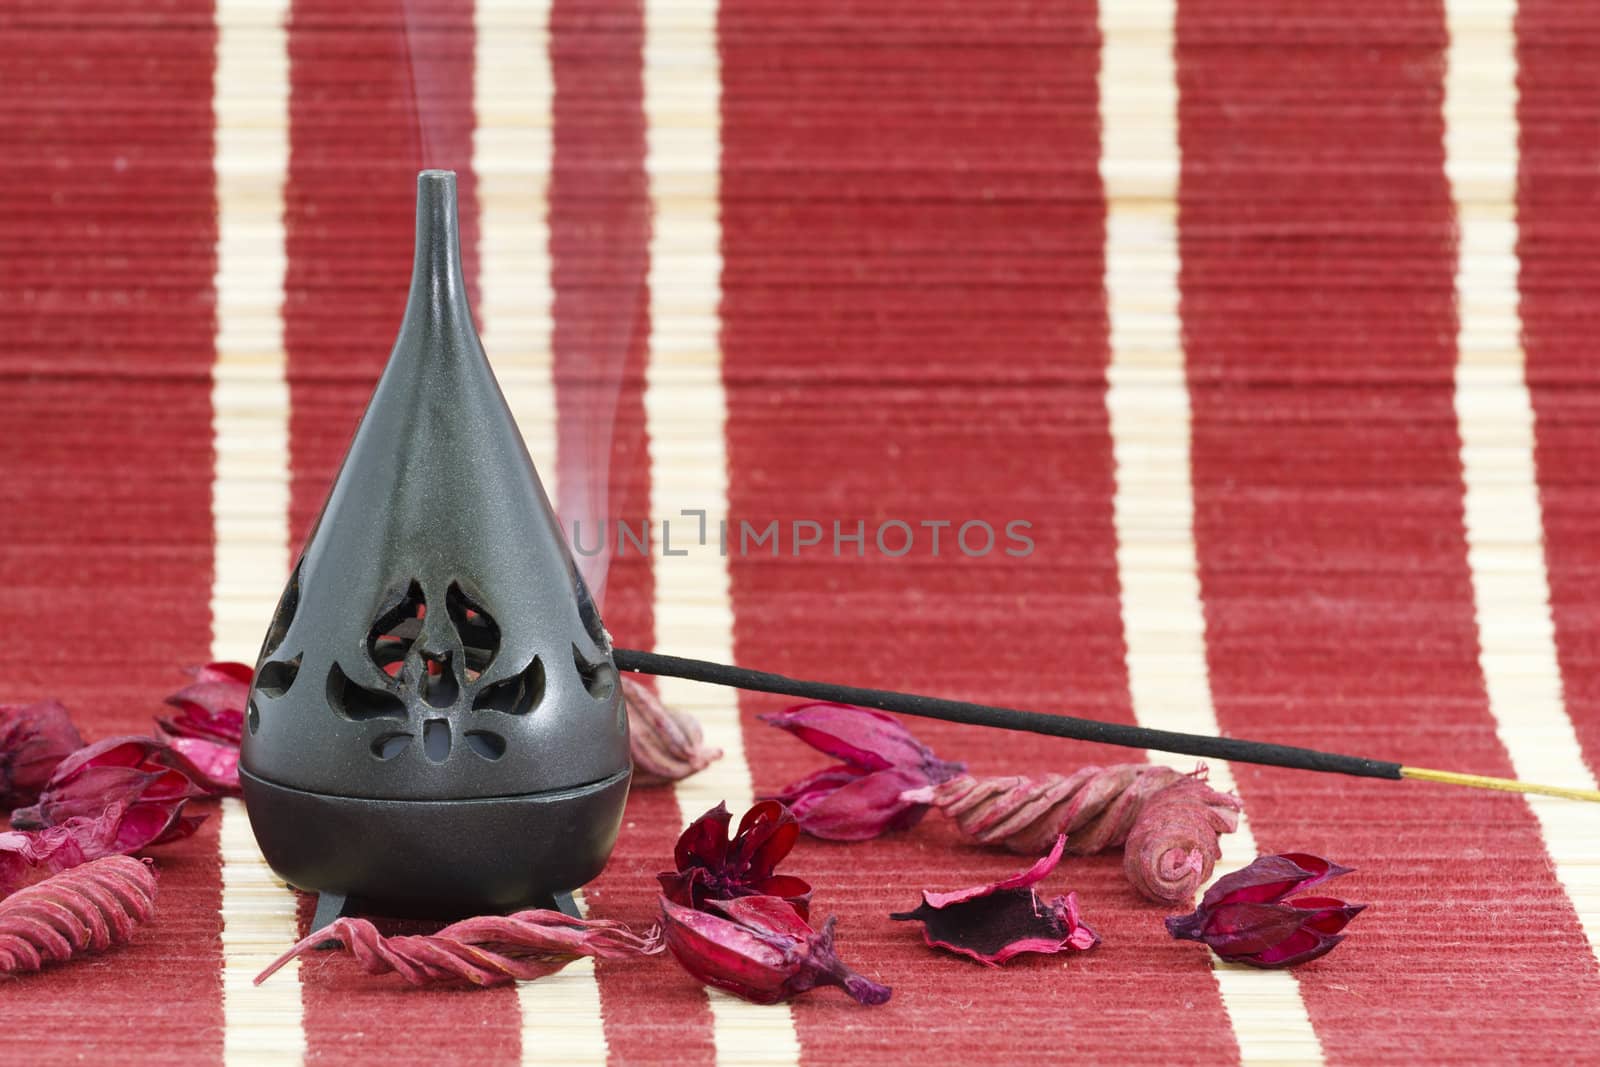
(1170, 821)
(760, 949)
(667, 743)
(34, 738)
(992, 923)
(1175, 844)
(1253, 915)
(151, 780)
(488, 950)
(212, 707)
(712, 867)
(88, 908)
(864, 796)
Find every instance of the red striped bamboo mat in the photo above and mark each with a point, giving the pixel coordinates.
(1271, 322)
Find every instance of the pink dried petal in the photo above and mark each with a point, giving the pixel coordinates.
(146, 776)
(993, 923)
(863, 797)
(865, 739)
(28, 855)
(211, 707)
(87, 908)
(667, 744)
(34, 739)
(865, 807)
(146, 753)
(1175, 841)
(815, 786)
(713, 866)
(216, 764)
(239, 674)
(760, 949)
(222, 727)
(1025, 879)
(485, 951)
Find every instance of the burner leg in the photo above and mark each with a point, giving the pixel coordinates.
(330, 906)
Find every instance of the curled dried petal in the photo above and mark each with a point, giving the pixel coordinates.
(34, 739)
(995, 922)
(1175, 843)
(1168, 820)
(87, 908)
(28, 855)
(1094, 806)
(668, 744)
(485, 951)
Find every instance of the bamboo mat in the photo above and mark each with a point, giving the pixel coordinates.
(1271, 323)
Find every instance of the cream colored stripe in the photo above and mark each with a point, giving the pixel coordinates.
(1504, 533)
(685, 411)
(250, 496)
(511, 156)
(1148, 401)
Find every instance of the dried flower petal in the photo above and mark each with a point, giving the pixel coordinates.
(710, 866)
(1272, 878)
(992, 923)
(865, 796)
(1169, 821)
(34, 738)
(151, 780)
(90, 907)
(212, 706)
(28, 855)
(760, 949)
(667, 743)
(215, 765)
(489, 950)
(1252, 916)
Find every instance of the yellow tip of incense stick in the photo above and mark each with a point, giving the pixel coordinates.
(1508, 785)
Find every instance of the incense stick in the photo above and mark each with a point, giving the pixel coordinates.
(1236, 750)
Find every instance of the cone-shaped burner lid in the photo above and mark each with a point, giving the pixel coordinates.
(435, 641)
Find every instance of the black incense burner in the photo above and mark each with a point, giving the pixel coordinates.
(436, 725)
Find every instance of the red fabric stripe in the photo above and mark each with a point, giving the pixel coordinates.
(1318, 260)
(107, 233)
(357, 139)
(600, 247)
(1559, 112)
(913, 222)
